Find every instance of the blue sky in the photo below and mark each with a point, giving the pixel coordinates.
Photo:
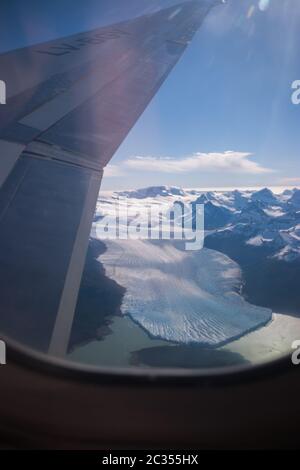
(224, 117)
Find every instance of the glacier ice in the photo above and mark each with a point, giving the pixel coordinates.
(181, 296)
(194, 297)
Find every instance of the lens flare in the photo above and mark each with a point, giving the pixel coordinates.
(263, 4)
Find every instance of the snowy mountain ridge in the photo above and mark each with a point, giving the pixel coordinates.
(259, 218)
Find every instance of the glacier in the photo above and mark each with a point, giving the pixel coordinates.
(180, 296)
(195, 297)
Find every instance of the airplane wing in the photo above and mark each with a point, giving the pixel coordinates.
(70, 104)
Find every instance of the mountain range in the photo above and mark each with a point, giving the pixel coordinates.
(258, 218)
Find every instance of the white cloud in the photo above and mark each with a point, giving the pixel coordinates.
(290, 181)
(232, 162)
(112, 171)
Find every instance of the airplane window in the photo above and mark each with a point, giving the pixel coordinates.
(150, 183)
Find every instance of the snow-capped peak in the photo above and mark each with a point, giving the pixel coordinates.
(264, 195)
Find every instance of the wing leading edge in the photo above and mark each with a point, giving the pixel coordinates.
(67, 113)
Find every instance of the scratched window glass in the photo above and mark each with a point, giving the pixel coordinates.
(150, 182)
